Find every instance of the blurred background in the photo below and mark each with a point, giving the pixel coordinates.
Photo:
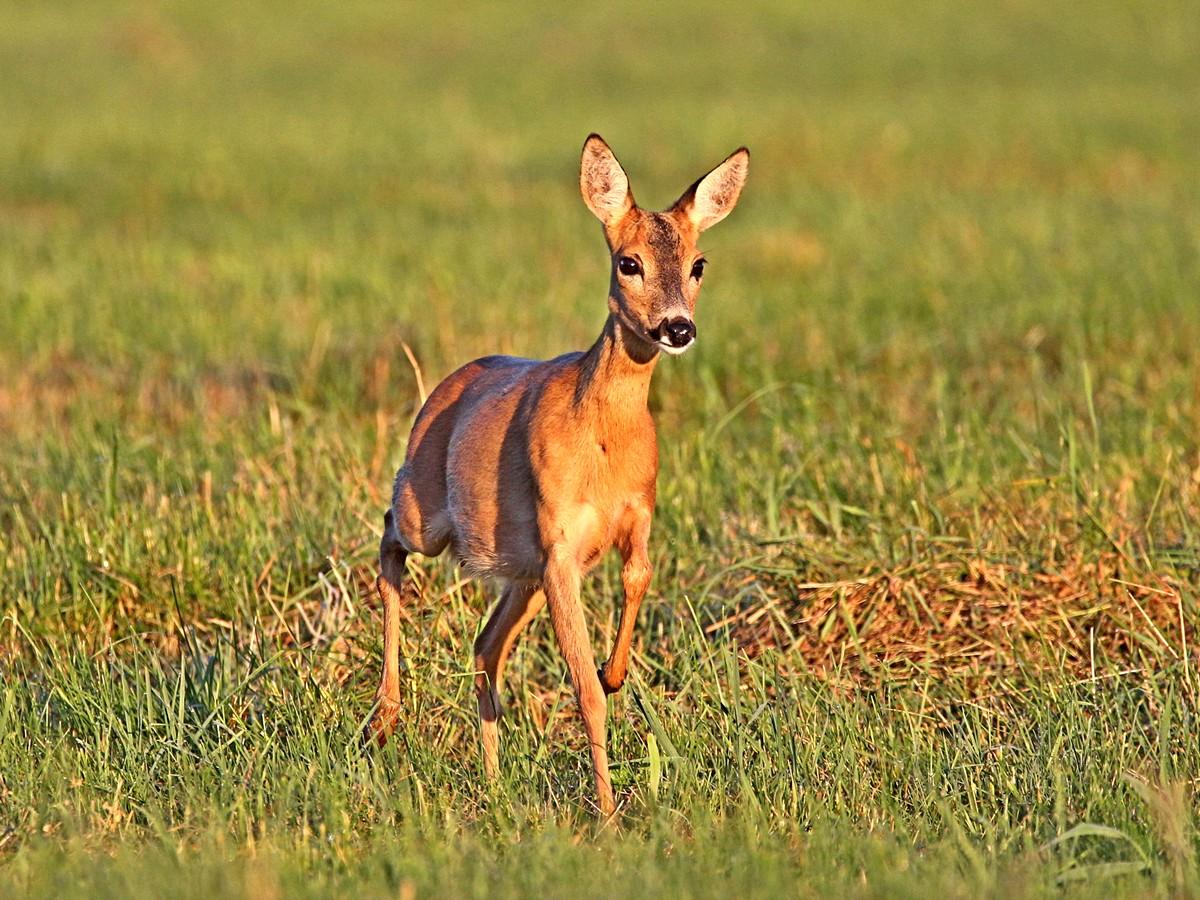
(207, 184)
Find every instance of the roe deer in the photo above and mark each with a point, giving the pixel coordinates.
(530, 471)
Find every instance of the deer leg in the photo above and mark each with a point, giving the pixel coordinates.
(635, 578)
(561, 584)
(392, 579)
(519, 603)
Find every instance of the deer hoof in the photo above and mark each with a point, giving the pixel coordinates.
(610, 685)
(382, 724)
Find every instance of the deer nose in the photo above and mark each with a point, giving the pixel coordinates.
(680, 331)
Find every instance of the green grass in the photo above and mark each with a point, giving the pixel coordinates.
(927, 546)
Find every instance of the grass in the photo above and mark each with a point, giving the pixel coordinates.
(927, 557)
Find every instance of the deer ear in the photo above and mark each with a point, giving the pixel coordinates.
(603, 183)
(713, 197)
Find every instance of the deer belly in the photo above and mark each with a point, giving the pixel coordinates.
(493, 520)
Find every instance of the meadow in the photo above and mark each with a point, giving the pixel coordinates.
(926, 598)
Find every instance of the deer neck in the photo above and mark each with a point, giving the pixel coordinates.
(614, 382)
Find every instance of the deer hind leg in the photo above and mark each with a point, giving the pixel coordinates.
(519, 603)
(391, 585)
(570, 627)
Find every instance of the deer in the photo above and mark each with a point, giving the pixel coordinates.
(530, 471)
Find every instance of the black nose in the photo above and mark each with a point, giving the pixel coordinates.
(679, 332)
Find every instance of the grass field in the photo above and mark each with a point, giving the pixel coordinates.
(927, 592)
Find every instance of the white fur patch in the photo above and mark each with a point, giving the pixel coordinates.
(675, 351)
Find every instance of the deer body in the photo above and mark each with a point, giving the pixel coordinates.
(531, 471)
(506, 451)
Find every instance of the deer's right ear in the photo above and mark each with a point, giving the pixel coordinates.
(603, 183)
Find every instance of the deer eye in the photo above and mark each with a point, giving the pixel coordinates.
(627, 265)
(698, 269)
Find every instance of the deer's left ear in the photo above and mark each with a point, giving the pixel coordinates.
(714, 196)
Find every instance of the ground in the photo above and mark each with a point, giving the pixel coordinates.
(927, 553)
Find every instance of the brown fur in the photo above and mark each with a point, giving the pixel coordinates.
(530, 471)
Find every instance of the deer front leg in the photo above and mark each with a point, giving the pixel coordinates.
(518, 605)
(561, 584)
(635, 578)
